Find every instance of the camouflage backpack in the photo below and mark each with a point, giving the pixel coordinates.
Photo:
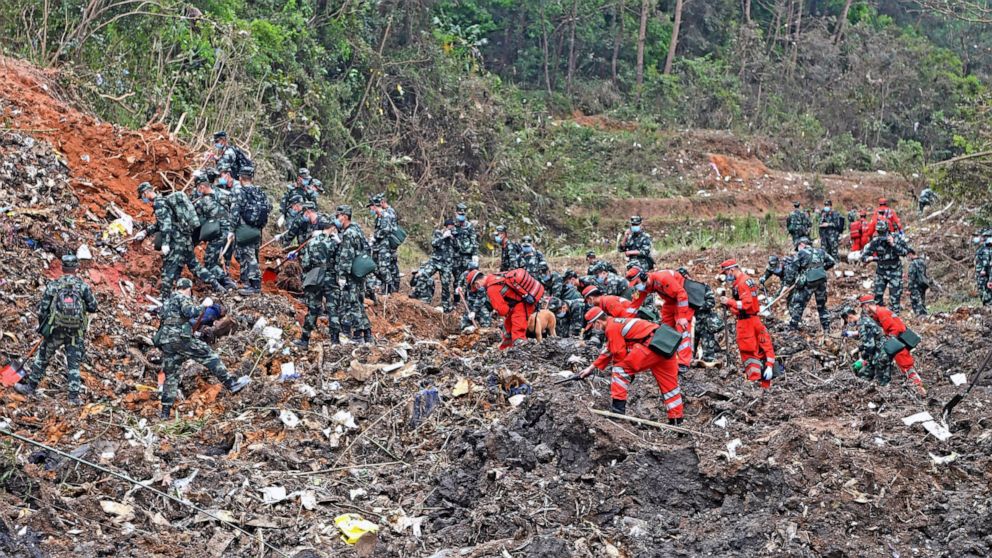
(183, 212)
(67, 310)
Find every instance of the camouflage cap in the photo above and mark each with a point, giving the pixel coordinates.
(184, 283)
(69, 261)
(144, 187)
(343, 209)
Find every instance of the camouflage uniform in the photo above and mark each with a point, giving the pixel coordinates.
(570, 316)
(640, 241)
(798, 224)
(175, 339)
(708, 325)
(177, 237)
(919, 282)
(443, 258)
(388, 270)
(877, 364)
(830, 234)
(56, 336)
(888, 249)
(353, 316)
(321, 252)
(422, 283)
(808, 258)
(212, 207)
(478, 302)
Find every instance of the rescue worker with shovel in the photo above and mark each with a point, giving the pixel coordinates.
(63, 315)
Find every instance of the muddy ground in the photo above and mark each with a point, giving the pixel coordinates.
(820, 465)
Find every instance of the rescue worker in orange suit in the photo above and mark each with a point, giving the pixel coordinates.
(753, 340)
(675, 310)
(884, 213)
(893, 326)
(859, 232)
(514, 307)
(627, 349)
(614, 306)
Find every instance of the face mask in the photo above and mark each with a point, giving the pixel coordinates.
(460, 218)
(338, 223)
(219, 145)
(641, 287)
(222, 181)
(635, 228)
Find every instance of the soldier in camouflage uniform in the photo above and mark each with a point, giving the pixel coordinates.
(570, 316)
(443, 258)
(247, 255)
(388, 270)
(831, 226)
(510, 252)
(531, 259)
(306, 188)
(636, 245)
(176, 340)
(887, 250)
(63, 317)
(320, 253)
(479, 308)
(175, 228)
(874, 363)
(983, 266)
(708, 324)
(919, 282)
(211, 206)
(466, 242)
(808, 258)
(353, 244)
(798, 223)
(422, 282)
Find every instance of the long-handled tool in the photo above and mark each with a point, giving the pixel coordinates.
(946, 411)
(13, 372)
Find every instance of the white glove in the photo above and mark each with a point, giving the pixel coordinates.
(475, 260)
(140, 236)
(281, 221)
(207, 302)
(316, 233)
(767, 374)
(471, 315)
(342, 282)
(165, 249)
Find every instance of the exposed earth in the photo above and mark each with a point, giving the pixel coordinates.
(820, 465)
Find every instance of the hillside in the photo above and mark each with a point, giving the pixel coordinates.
(821, 465)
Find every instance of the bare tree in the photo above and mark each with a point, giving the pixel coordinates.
(674, 42)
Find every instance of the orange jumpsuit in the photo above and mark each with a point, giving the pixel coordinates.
(670, 286)
(509, 304)
(616, 307)
(753, 340)
(893, 326)
(627, 348)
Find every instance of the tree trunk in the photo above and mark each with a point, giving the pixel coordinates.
(839, 34)
(571, 45)
(674, 43)
(617, 38)
(641, 35)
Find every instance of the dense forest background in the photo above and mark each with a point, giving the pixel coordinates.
(449, 98)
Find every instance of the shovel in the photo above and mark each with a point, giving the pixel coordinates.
(946, 411)
(12, 373)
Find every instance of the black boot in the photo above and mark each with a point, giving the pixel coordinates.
(26, 388)
(619, 406)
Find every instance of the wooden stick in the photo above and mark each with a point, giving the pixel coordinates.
(647, 422)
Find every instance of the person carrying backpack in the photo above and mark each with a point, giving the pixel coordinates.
(175, 222)
(63, 317)
(250, 213)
